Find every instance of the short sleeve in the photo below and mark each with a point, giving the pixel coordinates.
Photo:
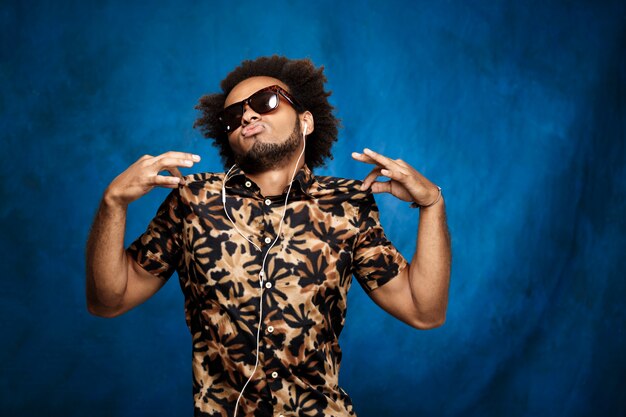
(158, 249)
(376, 260)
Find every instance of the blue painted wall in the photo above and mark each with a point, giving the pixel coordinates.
(517, 109)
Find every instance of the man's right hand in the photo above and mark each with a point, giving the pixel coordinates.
(115, 282)
(143, 176)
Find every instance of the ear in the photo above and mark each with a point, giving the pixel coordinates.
(307, 117)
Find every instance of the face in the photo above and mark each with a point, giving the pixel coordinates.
(263, 141)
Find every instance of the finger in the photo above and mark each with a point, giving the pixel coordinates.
(381, 187)
(370, 178)
(165, 181)
(179, 155)
(366, 159)
(398, 175)
(378, 171)
(380, 159)
(391, 187)
(175, 172)
(167, 163)
(363, 158)
(402, 163)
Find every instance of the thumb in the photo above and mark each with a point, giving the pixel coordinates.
(381, 187)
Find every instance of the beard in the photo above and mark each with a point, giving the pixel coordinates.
(262, 156)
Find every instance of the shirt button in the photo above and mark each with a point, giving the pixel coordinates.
(270, 329)
(268, 285)
(268, 240)
(248, 184)
(274, 374)
(268, 202)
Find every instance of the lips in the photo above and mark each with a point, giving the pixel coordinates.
(252, 129)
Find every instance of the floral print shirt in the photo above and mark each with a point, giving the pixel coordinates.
(331, 232)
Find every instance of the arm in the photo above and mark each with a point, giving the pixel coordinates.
(114, 282)
(418, 296)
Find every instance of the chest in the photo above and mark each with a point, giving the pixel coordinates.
(305, 252)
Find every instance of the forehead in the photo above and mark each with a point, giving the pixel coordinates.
(249, 86)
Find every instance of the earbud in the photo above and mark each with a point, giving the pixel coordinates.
(305, 129)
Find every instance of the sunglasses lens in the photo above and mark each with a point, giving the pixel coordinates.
(231, 117)
(263, 102)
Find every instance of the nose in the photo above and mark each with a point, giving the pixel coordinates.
(249, 115)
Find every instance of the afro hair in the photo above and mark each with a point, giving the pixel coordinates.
(305, 83)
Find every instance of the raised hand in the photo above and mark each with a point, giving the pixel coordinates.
(143, 176)
(405, 182)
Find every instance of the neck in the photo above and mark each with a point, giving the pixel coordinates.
(274, 181)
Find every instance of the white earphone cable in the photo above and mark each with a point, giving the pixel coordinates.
(262, 273)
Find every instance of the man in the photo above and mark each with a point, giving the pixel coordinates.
(265, 252)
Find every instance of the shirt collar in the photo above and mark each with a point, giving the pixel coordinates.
(303, 181)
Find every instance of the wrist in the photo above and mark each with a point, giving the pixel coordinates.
(434, 207)
(112, 201)
(437, 199)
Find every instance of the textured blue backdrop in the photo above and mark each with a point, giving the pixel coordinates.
(517, 109)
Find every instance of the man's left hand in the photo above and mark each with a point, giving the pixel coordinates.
(405, 182)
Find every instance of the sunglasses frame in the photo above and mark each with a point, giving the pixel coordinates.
(278, 90)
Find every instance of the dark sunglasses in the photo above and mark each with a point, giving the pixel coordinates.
(263, 101)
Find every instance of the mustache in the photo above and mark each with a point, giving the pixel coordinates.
(264, 156)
